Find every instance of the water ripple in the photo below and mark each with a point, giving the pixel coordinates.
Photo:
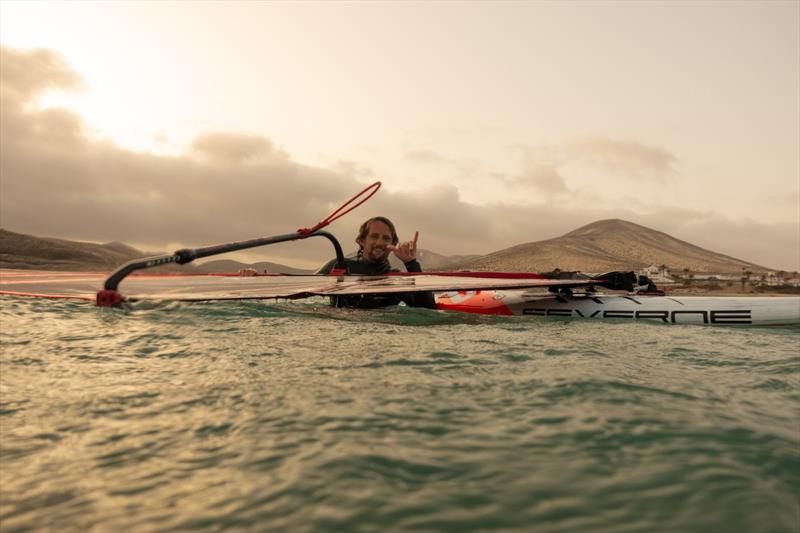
(286, 416)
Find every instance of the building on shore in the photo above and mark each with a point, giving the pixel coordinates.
(657, 273)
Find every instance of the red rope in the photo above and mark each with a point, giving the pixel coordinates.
(341, 211)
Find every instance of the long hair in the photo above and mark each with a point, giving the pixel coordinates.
(364, 230)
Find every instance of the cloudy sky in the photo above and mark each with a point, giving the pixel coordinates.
(169, 124)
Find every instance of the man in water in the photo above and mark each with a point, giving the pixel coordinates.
(376, 239)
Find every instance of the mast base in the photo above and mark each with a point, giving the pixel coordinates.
(108, 298)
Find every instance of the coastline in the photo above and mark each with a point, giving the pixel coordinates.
(730, 291)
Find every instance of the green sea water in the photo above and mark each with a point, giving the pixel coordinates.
(250, 416)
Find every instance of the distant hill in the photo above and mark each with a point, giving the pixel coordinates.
(21, 251)
(598, 247)
(18, 250)
(609, 245)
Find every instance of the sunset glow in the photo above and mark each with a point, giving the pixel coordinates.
(526, 119)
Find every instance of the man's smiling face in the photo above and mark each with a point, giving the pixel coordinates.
(377, 242)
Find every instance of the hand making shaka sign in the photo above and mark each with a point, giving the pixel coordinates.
(406, 251)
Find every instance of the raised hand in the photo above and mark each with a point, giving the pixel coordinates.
(406, 251)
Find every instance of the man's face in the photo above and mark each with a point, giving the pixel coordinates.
(377, 241)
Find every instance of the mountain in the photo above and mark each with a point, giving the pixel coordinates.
(21, 251)
(608, 245)
(598, 247)
(18, 250)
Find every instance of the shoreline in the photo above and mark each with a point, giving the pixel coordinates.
(728, 291)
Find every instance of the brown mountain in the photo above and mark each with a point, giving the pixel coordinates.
(18, 250)
(21, 251)
(609, 245)
(598, 247)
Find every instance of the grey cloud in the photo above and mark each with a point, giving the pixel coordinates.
(234, 147)
(543, 178)
(630, 159)
(625, 159)
(24, 76)
(27, 74)
(770, 245)
(55, 181)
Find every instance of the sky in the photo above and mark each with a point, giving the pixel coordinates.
(490, 124)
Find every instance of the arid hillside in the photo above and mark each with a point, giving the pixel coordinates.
(609, 245)
(18, 250)
(598, 247)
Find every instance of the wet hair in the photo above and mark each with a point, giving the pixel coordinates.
(364, 230)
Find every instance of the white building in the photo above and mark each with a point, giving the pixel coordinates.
(658, 274)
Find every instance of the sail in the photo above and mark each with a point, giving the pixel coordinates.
(189, 287)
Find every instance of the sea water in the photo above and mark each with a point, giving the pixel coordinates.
(252, 416)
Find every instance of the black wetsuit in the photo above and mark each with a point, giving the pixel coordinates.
(373, 301)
